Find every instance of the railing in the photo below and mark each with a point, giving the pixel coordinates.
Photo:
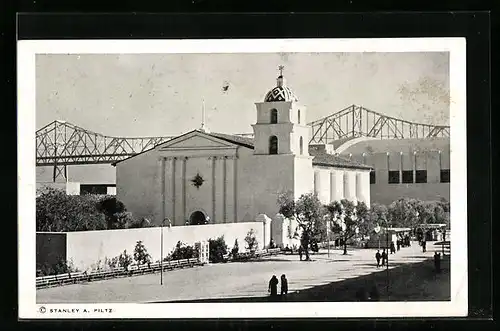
(443, 247)
(256, 254)
(77, 277)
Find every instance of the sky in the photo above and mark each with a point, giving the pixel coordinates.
(135, 95)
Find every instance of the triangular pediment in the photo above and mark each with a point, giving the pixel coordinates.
(195, 140)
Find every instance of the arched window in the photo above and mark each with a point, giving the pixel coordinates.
(273, 145)
(301, 145)
(298, 118)
(274, 116)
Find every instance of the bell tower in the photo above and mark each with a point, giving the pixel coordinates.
(281, 123)
(281, 141)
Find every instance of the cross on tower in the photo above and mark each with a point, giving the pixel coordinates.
(280, 68)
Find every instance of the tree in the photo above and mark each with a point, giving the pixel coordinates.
(308, 212)
(124, 260)
(426, 214)
(403, 213)
(132, 223)
(58, 212)
(364, 222)
(217, 249)
(183, 251)
(235, 249)
(378, 214)
(141, 255)
(443, 212)
(112, 208)
(251, 240)
(345, 221)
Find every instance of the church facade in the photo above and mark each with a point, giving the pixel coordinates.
(204, 177)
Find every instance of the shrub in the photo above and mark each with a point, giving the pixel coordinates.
(132, 223)
(113, 209)
(124, 260)
(235, 250)
(217, 249)
(58, 212)
(61, 267)
(251, 241)
(113, 263)
(141, 255)
(183, 251)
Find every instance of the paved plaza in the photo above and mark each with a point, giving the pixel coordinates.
(232, 280)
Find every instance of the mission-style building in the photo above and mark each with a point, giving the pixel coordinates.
(205, 177)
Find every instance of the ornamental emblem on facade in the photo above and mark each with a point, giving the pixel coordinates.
(197, 181)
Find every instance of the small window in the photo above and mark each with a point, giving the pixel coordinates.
(273, 145)
(421, 176)
(274, 116)
(445, 176)
(407, 176)
(394, 177)
(301, 143)
(372, 177)
(298, 117)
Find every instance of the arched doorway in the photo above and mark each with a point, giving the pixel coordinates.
(197, 218)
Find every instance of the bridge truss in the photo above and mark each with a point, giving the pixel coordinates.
(356, 121)
(60, 144)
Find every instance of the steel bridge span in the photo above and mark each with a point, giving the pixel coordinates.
(60, 144)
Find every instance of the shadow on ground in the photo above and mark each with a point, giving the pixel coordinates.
(262, 260)
(407, 282)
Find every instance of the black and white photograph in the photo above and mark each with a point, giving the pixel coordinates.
(277, 177)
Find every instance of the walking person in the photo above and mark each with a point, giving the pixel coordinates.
(393, 249)
(300, 252)
(284, 286)
(378, 257)
(384, 257)
(273, 287)
(437, 262)
(424, 248)
(398, 244)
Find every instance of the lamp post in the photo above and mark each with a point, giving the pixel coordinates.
(325, 218)
(377, 230)
(387, 253)
(161, 247)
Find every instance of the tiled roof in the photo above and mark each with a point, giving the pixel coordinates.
(325, 159)
(239, 140)
(320, 157)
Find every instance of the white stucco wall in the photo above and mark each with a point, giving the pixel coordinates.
(111, 243)
(260, 179)
(71, 188)
(137, 185)
(303, 176)
(335, 184)
(401, 155)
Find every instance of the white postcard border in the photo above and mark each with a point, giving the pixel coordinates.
(28, 308)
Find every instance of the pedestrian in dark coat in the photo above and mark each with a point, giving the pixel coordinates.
(378, 257)
(384, 257)
(300, 252)
(437, 262)
(273, 286)
(284, 285)
(393, 249)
